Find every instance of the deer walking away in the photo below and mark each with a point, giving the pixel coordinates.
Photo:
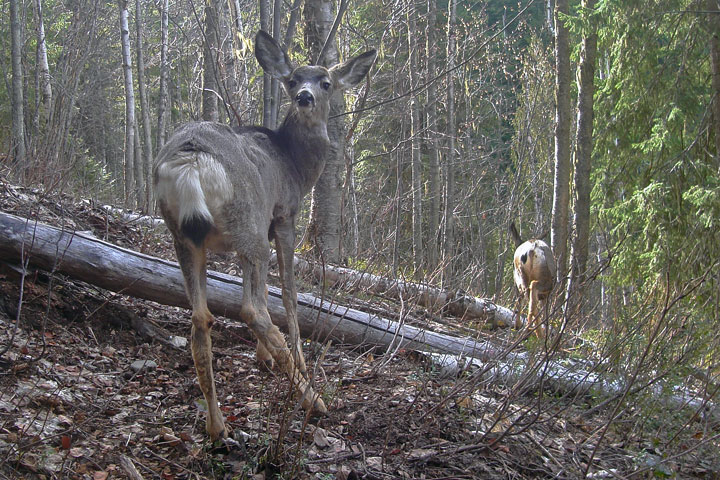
(534, 271)
(224, 189)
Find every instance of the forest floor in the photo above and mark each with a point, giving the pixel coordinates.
(76, 402)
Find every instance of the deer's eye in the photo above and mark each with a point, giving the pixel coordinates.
(325, 85)
(292, 83)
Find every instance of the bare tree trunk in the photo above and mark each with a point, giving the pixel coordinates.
(325, 212)
(164, 70)
(43, 101)
(561, 188)
(274, 82)
(449, 226)
(714, 20)
(210, 49)
(130, 186)
(583, 154)
(432, 133)
(145, 108)
(231, 78)
(18, 96)
(415, 129)
(267, 79)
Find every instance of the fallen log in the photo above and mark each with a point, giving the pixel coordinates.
(128, 272)
(456, 303)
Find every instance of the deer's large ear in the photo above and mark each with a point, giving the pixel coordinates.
(272, 58)
(352, 72)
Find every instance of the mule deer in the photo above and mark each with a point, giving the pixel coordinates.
(224, 189)
(534, 271)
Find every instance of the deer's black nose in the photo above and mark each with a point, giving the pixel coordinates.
(304, 98)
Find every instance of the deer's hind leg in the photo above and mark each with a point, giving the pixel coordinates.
(533, 321)
(193, 265)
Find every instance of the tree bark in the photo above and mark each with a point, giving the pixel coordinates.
(131, 191)
(43, 102)
(325, 212)
(432, 134)
(145, 109)
(713, 6)
(583, 154)
(449, 226)
(18, 94)
(561, 186)
(267, 79)
(415, 129)
(210, 49)
(164, 71)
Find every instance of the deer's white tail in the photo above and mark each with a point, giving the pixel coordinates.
(198, 186)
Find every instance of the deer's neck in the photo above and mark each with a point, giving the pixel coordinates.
(308, 144)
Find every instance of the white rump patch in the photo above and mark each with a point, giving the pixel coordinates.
(193, 184)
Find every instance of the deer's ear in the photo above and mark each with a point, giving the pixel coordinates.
(272, 58)
(350, 73)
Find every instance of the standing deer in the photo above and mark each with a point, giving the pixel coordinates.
(534, 271)
(224, 189)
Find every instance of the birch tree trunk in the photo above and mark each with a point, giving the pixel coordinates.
(164, 70)
(145, 109)
(131, 191)
(325, 219)
(415, 129)
(18, 97)
(432, 133)
(561, 186)
(583, 153)
(449, 226)
(43, 101)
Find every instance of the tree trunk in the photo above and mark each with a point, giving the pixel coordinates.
(164, 71)
(131, 273)
(415, 129)
(583, 154)
(210, 49)
(325, 218)
(43, 101)
(561, 187)
(145, 108)
(18, 95)
(714, 20)
(274, 82)
(131, 193)
(432, 134)
(267, 79)
(449, 226)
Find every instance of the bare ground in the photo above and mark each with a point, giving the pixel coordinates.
(72, 405)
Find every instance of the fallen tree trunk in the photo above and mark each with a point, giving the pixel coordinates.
(132, 273)
(128, 272)
(436, 299)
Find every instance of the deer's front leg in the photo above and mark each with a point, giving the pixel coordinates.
(285, 245)
(192, 264)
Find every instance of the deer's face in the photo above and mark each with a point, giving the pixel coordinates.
(310, 89)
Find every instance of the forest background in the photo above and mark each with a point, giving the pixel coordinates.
(594, 123)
